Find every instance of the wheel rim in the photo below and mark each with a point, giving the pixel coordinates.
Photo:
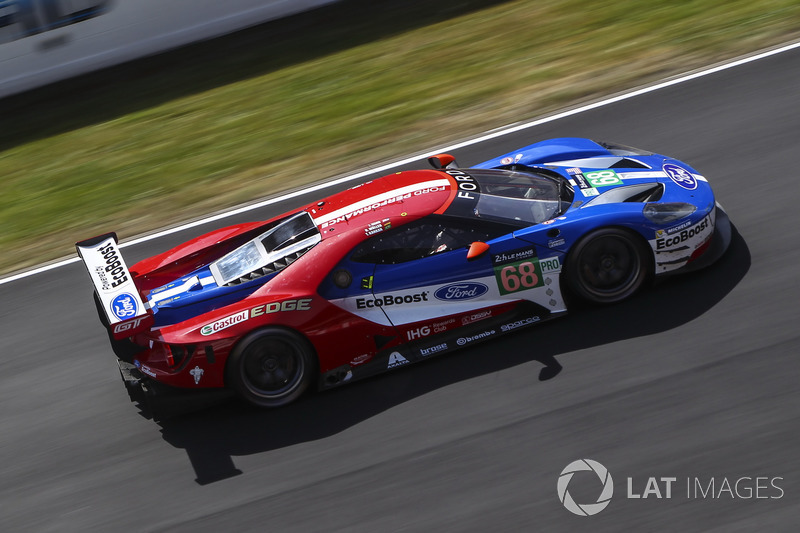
(272, 368)
(609, 266)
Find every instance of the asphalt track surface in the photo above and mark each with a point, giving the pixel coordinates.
(695, 379)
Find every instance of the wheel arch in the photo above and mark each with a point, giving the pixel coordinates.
(630, 229)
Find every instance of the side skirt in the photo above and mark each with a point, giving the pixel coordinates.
(524, 315)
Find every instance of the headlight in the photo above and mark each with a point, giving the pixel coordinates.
(667, 212)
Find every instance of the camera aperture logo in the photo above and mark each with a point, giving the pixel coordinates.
(586, 509)
(742, 487)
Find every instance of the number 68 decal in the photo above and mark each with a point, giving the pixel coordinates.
(602, 178)
(518, 276)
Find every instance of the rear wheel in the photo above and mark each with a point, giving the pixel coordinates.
(608, 265)
(271, 367)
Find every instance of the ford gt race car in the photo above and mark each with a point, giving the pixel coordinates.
(403, 268)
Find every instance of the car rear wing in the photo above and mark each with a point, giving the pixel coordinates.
(113, 283)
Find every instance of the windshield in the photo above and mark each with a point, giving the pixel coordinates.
(263, 255)
(521, 197)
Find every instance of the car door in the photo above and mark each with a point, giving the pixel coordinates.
(421, 271)
(414, 275)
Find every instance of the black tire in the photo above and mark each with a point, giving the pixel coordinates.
(271, 367)
(608, 265)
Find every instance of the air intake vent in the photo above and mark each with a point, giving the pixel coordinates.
(629, 163)
(640, 193)
(276, 266)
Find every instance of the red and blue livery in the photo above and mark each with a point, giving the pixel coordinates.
(402, 268)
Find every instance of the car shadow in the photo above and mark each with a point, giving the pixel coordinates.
(214, 431)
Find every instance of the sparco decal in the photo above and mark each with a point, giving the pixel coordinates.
(461, 291)
(390, 299)
(113, 266)
(668, 242)
(265, 309)
(519, 323)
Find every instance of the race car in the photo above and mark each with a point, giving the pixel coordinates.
(403, 268)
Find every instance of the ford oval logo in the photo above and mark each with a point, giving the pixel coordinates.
(461, 291)
(124, 306)
(680, 176)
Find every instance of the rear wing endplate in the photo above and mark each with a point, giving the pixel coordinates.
(113, 283)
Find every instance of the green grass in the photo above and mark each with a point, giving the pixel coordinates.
(170, 138)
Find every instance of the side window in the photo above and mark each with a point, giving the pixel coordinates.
(424, 238)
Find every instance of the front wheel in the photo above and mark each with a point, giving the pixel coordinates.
(271, 367)
(608, 265)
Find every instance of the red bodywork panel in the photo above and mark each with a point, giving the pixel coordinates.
(290, 299)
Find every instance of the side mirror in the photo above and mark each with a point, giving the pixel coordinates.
(477, 249)
(439, 161)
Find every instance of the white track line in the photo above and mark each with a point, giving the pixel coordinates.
(492, 135)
